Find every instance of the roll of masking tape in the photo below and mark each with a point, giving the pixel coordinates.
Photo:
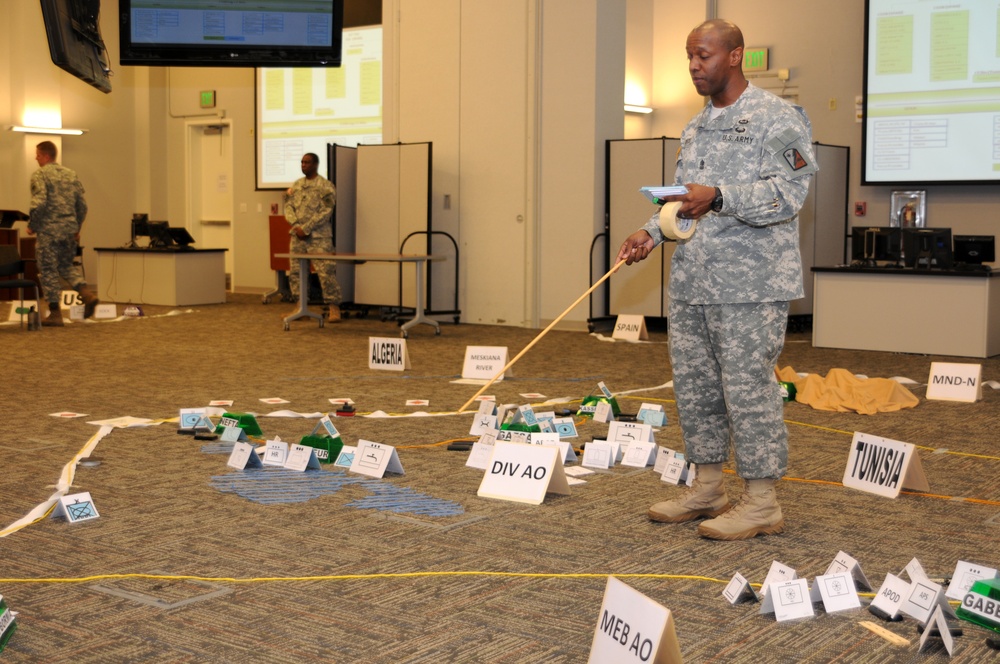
(673, 227)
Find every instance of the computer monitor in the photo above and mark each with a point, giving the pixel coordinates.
(870, 244)
(180, 236)
(927, 248)
(140, 228)
(974, 249)
(159, 234)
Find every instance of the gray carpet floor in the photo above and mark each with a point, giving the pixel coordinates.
(193, 561)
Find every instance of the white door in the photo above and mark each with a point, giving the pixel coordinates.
(210, 187)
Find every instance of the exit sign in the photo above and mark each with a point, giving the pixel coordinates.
(207, 98)
(755, 59)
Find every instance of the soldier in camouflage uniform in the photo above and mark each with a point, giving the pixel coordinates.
(747, 161)
(309, 205)
(58, 210)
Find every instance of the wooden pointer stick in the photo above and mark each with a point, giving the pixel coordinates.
(543, 333)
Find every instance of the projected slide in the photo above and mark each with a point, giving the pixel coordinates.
(301, 110)
(933, 91)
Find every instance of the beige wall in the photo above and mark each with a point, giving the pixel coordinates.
(823, 47)
(518, 106)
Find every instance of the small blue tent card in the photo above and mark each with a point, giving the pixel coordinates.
(190, 418)
(326, 423)
(652, 414)
(76, 507)
(346, 456)
(233, 434)
(244, 456)
(565, 427)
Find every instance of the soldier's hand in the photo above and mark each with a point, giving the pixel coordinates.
(635, 247)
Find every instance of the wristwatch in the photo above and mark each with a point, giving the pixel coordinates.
(717, 201)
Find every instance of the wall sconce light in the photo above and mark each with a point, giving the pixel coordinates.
(48, 130)
(630, 108)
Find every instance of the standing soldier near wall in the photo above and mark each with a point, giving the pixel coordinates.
(309, 205)
(58, 210)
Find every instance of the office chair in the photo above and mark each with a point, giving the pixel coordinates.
(12, 276)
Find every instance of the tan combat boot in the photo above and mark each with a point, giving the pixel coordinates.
(334, 314)
(705, 498)
(90, 300)
(54, 319)
(757, 513)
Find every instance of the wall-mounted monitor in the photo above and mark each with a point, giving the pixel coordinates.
(237, 33)
(927, 248)
(75, 44)
(930, 82)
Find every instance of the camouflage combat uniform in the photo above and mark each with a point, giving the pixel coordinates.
(731, 282)
(310, 207)
(58, 209)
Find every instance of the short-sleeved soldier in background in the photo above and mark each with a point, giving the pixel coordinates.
(747, 161)
(309, 205)
(58, 210)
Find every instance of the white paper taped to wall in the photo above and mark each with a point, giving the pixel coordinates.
(674, 228)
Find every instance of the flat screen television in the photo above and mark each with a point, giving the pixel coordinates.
(927, 248)
(870, 244)
(929, 68)
(236, 33)
(75, 44)
(975, 249)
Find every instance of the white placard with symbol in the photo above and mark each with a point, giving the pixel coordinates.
(301, 458)
(965, 575)
(482, 450)
(845, 563)
(244, 456)
(836, 591)
(739, 590)
(629, 432)
(76, 507)
(639, 455)
(275, 452)
(777, 572)
(923, 598)
(788, 600)
(375, 459)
